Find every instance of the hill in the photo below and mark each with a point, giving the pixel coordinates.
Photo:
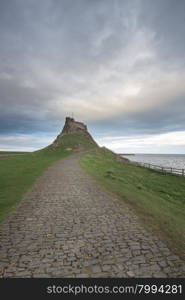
(74, 137)
(19, 170)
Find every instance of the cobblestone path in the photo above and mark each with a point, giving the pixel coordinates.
(69, 227)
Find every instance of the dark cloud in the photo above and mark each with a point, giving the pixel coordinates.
(117, 65)
(166, 19)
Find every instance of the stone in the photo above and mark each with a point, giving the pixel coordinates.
(106, 268)
(72, 127)
(163, 263)
(86, 263)
(82, 275)
(41, 276)
(130, 274)
(96, 269)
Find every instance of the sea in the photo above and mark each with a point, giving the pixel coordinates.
(163, 160)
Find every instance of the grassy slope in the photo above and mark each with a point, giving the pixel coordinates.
(159, 199)
(18, 173)
(75, 142)
(12, 152)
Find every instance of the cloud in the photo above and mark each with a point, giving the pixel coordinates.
(117, 65)
(172, 142)
(23, 142)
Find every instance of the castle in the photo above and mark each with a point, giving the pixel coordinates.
(75, 128)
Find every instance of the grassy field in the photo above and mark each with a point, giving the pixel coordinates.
(11, 152)
(75, 142)
(18, 173)
(158, 199)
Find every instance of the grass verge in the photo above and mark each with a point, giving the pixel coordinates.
(74, 142)
(158, 199)
(18, 173)
(12, 152)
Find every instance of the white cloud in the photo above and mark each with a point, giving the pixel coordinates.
(23, 142)
(171, 142)
(104, 61)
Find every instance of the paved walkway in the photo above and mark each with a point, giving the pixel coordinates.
(68, 227)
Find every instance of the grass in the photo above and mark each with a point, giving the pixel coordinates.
(12, 152)
(18, 173)
(158, 199)
(74, 142)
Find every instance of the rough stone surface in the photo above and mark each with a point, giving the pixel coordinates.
(68, 227)
(75, 128)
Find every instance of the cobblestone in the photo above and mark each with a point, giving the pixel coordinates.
(67, 226)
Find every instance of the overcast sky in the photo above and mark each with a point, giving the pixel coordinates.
(117, 65)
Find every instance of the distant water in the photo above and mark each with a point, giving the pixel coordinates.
(164, 160)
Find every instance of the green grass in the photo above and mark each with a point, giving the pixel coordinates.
(75, 142)
(12, 152)
(18, 173)
(158, 199)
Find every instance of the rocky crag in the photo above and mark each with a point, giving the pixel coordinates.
(74, 136)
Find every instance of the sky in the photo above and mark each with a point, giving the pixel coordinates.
(116, 65)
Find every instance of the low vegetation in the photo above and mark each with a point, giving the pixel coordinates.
(18, 173)
(158, 199)
(71, 142)
(11, 152)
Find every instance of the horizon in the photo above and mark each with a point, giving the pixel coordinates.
(117, 66)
